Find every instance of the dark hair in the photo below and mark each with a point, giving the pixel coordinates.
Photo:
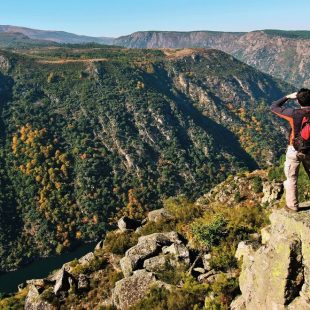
(303, 97)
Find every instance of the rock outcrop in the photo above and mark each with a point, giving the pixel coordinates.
(276, 275)
(151, 246)
(158, 215)
(4, 63)
(34, 302)
(129, 291)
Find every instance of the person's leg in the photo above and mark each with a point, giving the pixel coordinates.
(291, 169)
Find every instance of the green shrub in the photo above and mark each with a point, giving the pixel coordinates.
(177, 299)
(223, 256)
(212, 233)
(224, 291)
(171, 274)
(160, 226)
(257, 184)
(182, 209)
(237, 197)
(119, 243)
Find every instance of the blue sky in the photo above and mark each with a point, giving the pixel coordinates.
(120, 17)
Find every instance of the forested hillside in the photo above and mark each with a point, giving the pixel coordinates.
(87, 131)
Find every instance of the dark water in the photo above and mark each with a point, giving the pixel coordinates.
(40, 269)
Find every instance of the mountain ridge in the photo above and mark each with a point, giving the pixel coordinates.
(280, 53)
(54, 35)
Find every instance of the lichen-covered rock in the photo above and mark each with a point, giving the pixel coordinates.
(272, 191)
(131, 290)
(156, 263)
(34, 302)
(158, 215)
(148, 246)
(238, 304)
(277, 274)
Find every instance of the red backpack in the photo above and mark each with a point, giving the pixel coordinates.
(305, 128)
(302, 140)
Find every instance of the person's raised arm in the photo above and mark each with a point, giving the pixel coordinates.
(278, 107)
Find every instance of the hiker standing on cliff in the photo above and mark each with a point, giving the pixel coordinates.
(299, 142)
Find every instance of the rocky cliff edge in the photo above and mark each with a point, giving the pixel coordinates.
(276, 275)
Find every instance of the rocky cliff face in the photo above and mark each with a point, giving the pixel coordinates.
(282, 56)
(276, 275)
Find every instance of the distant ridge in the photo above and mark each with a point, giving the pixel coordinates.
(55, 36)
(284, 54)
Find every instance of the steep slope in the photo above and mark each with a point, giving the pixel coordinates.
(55, 36)
(181, 256)
(281, 54)
(88, 131)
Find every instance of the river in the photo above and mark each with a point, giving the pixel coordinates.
(40, 268)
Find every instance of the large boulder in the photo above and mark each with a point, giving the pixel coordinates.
(131, 290)
(125, 223)
(147, 246)
(34, 302)
(158, 215)
(277, 274)
(64, 281)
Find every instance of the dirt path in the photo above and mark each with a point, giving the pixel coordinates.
(63, 61)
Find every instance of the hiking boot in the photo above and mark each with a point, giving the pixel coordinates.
(291, 210)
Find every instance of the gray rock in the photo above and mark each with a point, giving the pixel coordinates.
(83, 282)
(125, 223)
(148, 246)
(203, 277)
(155, 263)
(159, 215)
(272, 191)
(199, 270)
(34, 302)
(277, 274)
(206, 261)
(178, 250)
(238, 304)
(63, 281)
(37, 282)
(87, 258)
(131, 290)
